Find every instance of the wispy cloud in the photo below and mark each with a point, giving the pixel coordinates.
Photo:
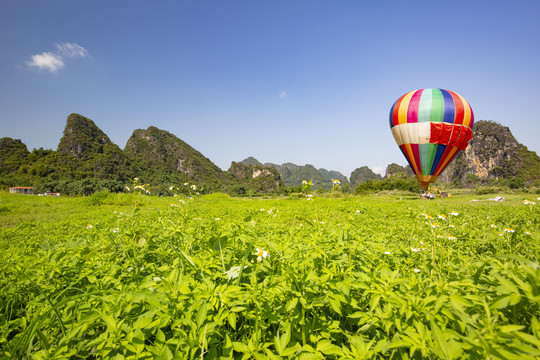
(282, 95)
(71, 50)
(54, 61)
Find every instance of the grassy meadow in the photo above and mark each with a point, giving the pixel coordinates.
(132, 276)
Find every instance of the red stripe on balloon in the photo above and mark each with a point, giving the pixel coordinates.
(459, 108)
(414, 105)
(416, 153)
(395, 120)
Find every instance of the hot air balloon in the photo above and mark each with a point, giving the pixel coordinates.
(431, 126)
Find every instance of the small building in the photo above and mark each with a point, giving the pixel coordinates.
(27, 190)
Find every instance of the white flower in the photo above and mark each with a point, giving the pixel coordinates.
(261, 254)
(116, 230)
(128, 189)
(414, 249)
(454, 213)
(508, 230)
(186, 184)
(387, 252)
(527, 233)
(442, 217)
(452, 237)
(416, 270)
(304, 182)
(217, 219)
(89, 226)
(171, 188)
(136, 179)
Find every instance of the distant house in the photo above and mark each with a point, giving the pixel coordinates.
(28, 190)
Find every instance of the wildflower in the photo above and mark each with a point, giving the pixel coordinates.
(116, 230)
(136, 179)
(500, 234)
(527, 202)
(439, 236)
(128, 189)
(528, 233)
(416, 270)
(387, 252)
(304, 182)
(414, 249)
(493, 226)
(171, 188)
(194, 187)
(197, 193)
(335, 181)
(454, 213)
(434, 225)
(89, 226)
(217, 219)
(261, 254)
(186, 184)
(357, 212)
(508, 230)
(451, 225)
(452, 237)
(182, 201)
(442, 217)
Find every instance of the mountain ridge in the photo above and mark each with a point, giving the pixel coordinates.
(86, 160)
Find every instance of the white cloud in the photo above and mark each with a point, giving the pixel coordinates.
(71, 50)
(282, 95)
(46, 61)
(53, 61)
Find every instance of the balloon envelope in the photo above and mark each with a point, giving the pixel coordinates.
(431, 126)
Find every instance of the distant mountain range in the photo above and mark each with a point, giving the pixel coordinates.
(86, 161)
(293, 175)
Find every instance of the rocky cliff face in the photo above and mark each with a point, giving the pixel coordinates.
(82, 138)
(157, 151)
(361, 174)
(85, 141)
(493, 153)
(257, 178)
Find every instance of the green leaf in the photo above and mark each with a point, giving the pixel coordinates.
(326, 347)
(240, 347)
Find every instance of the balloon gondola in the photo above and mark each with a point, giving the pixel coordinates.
(431, 126)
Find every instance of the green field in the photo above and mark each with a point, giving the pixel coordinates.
(348, 277)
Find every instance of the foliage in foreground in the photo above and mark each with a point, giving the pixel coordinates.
(216, 277)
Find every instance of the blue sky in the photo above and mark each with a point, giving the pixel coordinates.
(283, 81)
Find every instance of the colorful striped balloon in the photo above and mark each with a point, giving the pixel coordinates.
(430, 127)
